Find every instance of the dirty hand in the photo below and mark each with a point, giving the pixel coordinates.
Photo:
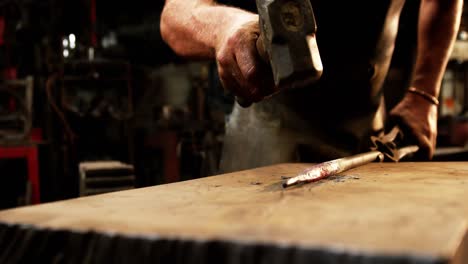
(241, 69)
(419, 116)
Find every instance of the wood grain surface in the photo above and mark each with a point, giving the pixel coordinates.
(410, 212)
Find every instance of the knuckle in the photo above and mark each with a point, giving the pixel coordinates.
(223, 59)
(232, 40)
(251, 74)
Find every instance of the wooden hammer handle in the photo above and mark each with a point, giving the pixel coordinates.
(261, 49)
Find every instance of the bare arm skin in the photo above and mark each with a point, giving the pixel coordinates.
(207, 30)
(437, 29)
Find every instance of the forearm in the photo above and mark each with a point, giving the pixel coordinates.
(194, 28)
(437, 29)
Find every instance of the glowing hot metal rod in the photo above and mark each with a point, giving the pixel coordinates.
(383, 146)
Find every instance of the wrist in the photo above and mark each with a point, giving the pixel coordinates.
(427, 96)
(232, 21)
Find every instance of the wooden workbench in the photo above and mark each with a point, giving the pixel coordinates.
(379, 213)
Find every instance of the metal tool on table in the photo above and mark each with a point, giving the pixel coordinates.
(383, 146)
(287, 42)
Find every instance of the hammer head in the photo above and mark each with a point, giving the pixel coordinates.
(287, 37)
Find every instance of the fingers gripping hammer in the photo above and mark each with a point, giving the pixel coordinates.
(288, 43)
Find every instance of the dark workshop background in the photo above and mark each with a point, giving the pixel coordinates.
(92, 100)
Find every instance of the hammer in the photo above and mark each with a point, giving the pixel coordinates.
(287, 42)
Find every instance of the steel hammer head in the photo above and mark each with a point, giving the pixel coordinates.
(287, 40)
